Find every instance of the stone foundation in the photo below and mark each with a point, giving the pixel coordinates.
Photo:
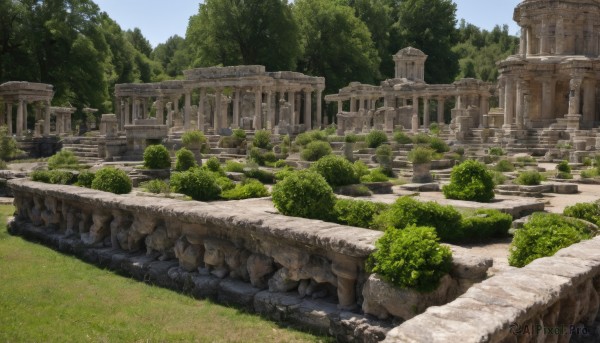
(306, 272)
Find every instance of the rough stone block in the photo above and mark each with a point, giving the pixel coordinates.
(237, 293)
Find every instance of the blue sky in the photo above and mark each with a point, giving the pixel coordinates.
(161, 19)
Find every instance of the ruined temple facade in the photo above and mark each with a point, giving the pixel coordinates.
(552, 81)
(407, 100)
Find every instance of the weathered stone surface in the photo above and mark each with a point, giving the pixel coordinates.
(259, 268)
(281, 282)
(237, 293)
(189, 255)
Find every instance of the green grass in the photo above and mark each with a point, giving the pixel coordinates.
(49, 297)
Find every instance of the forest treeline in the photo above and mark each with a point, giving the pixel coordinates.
(79, 49)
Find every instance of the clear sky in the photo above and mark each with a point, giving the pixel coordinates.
(161, 19)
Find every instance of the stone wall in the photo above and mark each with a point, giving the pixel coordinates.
(553, 299)
(291, 269)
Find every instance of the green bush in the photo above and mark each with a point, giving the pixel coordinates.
(498, 177)
(112, 180)
(420, 154)
(564, 176)
(589, 173)
(57, 177)
(408, 211)
(485, 224)
(185, 160)
(496, 151)
(504, 166)
(438, 145)
(213, 165)
(156, 186)
(543, 235)
(585, 211)
(350, 138)
(280, 164)
(8, 145)
(250, 188)
(411, 258)
(402, 138)
(224, 183)
(470, 181)
(157, 157)
(421, 138)
(357, 213)
(529, 178)
(376, 138)
(259, 174)
(198, 183)
(375, 175)
(336, 170)
(330, 130)
(239, 134)
(262, 139)
(564, 167)
(283, 173)
(360, 169)
(587, 162)
(304, 194)
(315, 150)
(303, 139)
(64, 159)
(434, 128)
(234, 167)
(193, 138)
(85, 179)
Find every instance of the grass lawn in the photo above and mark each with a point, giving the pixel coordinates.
(49, 297)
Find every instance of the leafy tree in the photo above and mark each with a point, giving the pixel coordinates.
(232, 32)
(137, 39)
(336, 44)
(173, 55)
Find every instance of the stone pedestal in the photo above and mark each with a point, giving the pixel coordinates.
(421, 173)
(573, 121)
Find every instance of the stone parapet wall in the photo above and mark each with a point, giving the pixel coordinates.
(235, 252)
(553, 299)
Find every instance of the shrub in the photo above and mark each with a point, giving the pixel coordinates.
(259, 174)
(262, 139)
(485, 224)
(213, 165)
(234, 167)
(564, 176)
(336, 170)
(315, 150)
(438, 145)
(496, 151)
(112, 180)
(280, 164)
(543, 235)
(588, 173)
(330, 130)
(585, 211)
(304, 194)
(85, 179)
(411, 258)
(64, 159)
(375, 175)
(193, 138)
(360, 169)
(303, 139)
(504, 166)
(434, 128)
(57, 177)
(185, 160)
(470, 181)
(156, 186)
(376, 138)
(408, 211)
(529, 178)
(157, 157)
(499, 178)
(351, 138)
(250, 188)
(224, 183)
(587, 162)
(564, 167)
(357, 212)
(402, 138)
(8, 145)
(198, 183)
(282, 174)
(421, 138)
(419, 155)
(239, 134)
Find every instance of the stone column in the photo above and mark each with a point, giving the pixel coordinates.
(575, 95)
(292, 101)
(187, 111)
(270, 110)
(523, 42)
(352, 104)
(415, 114)
(308, 109)
(134, 110)
(20, 118)
(559, 37)
(160, 111)
(9, 116)
(200, 115)
(501, 98)
(340, 106)
(589, 102)
(548, 89)
(47, 119)
(297, 107)
(530, 50)
(544, 38)
(25, 115)
(509, 103)
(440, 109)
(217, 114)
(258, 108)
(426, 112)
(519, 104)
(236, 109)
(319, 100)
(127, 114)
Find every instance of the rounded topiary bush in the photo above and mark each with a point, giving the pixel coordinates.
(85, 179)
(470, 181)
(157, 157)
(336, 170)
(64, 159)
(420, 155)
(262, 139)
(504, 166)
(315, 150)
(185, 160)
(411, 258)
(402, 138)
(529, 178)
(193, 139)
(198, 183)
(543, 235)
(376, 138)
(213, 165)
(586, 211)
(408, 211)
(485, 224)
(358, 213)
(304, 194)
(438, 145)
(112, 180)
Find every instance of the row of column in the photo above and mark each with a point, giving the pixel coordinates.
(21, 117)
(562, 38)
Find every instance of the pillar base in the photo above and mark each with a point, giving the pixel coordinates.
(573, 121)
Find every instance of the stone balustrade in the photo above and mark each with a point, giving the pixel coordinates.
(255, 258)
